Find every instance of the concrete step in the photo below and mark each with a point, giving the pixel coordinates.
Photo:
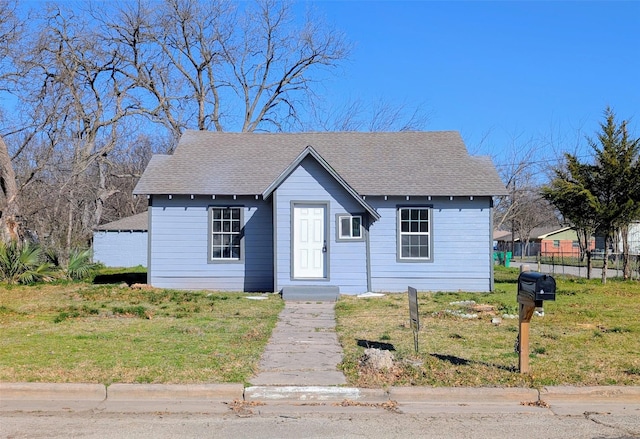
(319, 293)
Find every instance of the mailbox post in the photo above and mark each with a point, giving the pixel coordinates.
(533, 289)
(414, 318)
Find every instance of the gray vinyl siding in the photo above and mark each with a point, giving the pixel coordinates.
(347, 260)
(179, 246)
(461, 243)
(120, 248)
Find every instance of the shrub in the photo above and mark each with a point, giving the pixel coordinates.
(80, 265)
(77, 267)
(22, 263)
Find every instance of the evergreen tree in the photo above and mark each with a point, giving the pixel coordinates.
(603, 196)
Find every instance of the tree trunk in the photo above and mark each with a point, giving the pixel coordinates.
(10, 227)
(626, 262)
(605, 261)
(584, 237)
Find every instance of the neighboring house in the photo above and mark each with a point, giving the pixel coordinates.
(498, 239)
(562, 242)
(634, 239)
(122, 243)
(546, 241)
(304, 212)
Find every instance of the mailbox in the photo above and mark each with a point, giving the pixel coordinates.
(536, 287)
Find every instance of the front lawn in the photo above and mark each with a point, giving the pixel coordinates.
(81, 332)
(105, 333)
(589, 336)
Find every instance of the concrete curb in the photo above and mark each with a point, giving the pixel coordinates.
(217, 397)
(53, 391)
(463, 395)
(119, 398)
(313, 393)
(175, 392)
(581, 401)
(605, 394)
(172, 398)
(32, 397)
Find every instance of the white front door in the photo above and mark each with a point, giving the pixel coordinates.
(309, 241)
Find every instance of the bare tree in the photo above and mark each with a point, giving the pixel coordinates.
(9, 202)
(523, 209)
(208, 66)
(10, 31)
(10, 28)
(73, 77)
(127, 164)
(381, 115)
(90, 84)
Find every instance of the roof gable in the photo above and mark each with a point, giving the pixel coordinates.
(310, 152)
(401, 163)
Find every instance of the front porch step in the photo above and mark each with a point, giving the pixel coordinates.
(297, 293)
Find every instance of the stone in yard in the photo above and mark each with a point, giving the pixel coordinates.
(377, 359)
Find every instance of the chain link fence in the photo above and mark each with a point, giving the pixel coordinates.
(558, 259)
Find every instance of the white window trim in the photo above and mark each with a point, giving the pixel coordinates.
(240, 234)
(350, 237)
(428, 234)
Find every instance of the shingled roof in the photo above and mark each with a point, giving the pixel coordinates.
(137, 222)
(432, 163)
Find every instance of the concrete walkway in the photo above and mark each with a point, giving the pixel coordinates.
(303, 349)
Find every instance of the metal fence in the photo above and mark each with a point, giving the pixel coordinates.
(557, 260)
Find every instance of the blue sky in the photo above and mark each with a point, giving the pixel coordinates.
(501, 73)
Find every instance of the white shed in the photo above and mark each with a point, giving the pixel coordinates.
(122, 243)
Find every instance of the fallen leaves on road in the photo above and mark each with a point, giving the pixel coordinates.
(538, 403)
(241, 408)
(390, 405)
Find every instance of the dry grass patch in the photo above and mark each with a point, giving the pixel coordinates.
(589, 336)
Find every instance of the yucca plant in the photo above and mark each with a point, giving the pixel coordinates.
(79, 266)
(22, 263)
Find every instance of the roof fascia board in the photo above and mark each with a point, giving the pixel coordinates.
(310, 151)
(553, 232)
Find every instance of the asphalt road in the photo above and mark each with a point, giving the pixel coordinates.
(300, 422)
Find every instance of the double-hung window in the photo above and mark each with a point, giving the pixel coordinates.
(349, 227)
(414, 234)
(226, 234)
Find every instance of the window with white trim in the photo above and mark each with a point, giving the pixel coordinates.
(414, 233)
(226, 233)
(349, 227)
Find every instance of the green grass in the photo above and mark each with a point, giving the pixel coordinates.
(589, 336)
(79, 332)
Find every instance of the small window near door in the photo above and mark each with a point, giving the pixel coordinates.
(349, 227)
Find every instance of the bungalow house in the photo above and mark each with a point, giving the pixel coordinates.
(307, 213)
(122, 243)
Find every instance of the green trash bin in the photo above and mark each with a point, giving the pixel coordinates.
(507, 260)
(500, 257)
